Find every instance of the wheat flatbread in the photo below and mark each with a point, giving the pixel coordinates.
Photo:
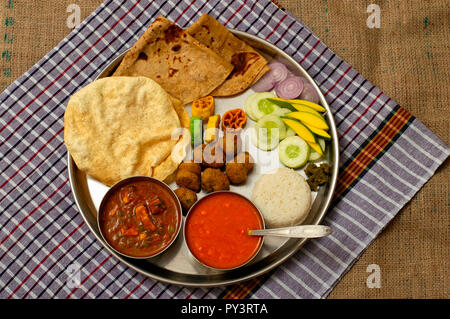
(247, 62)
(183, 66)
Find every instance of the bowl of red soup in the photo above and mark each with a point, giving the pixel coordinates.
(140, 217)
(216, 230)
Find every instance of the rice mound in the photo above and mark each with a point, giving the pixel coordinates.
(284, 198)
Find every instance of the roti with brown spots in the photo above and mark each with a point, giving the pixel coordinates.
(183, 66)
(248, 64)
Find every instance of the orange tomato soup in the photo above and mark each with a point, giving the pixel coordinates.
(216, 230)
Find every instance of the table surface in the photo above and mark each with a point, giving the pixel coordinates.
(407, 58)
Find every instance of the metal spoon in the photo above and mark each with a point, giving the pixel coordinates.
(304, 231)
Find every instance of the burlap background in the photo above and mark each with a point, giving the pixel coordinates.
(407, 57)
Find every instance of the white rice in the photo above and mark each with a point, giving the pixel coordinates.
(284, 198)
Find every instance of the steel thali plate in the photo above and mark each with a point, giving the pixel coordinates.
(176, 265)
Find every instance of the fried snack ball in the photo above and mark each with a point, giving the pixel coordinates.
(246, 159)
(236, 172)
(188, 179)
(191, 166)
(187, 197)
(214, 179)
(213, 156)
(231, 144)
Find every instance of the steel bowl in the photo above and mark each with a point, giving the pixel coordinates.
(187, 221)
(130, 180)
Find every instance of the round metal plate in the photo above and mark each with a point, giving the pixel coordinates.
(176, 265)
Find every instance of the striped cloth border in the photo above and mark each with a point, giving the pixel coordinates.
(387, 155)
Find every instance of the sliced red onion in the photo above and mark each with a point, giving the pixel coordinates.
(265, 84)
(278, 71)
(290, 88)
(309, 93)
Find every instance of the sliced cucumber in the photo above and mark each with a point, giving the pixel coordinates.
(249, 101)
(273, 123)
(250, 115)
(247, 108)
(293, 152)
(314, 156)
(282, 103)
(281, 111)
(263, 138)
(257, 105)
(290, 132)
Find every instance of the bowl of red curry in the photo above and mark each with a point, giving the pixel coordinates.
(140, 217)
(216, 230)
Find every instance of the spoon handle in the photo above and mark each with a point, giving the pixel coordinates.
(304, 231)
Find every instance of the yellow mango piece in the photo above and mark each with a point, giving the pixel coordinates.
(300, 129)
(322, 133)
(310, 104)
(316, 147)
(203, 107)
(304, 108)
(310, 119)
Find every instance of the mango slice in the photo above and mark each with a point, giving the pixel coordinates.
(300, 129)
(316, 147)
(310, 119)
(310, 104)
(322, 133)
(295, 103)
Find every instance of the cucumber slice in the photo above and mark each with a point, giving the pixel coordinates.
(263, 107)
(281, 111)
(262, 140)
(251, 104)
(247, 109)
(273, 123)
(258, 105)
(282, 103)
(293, 152)
(247, 103)
(314, 156)
(290, 132)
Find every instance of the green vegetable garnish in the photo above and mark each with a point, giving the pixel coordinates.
(196, 127)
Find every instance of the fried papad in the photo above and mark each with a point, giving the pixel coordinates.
(118, 127)
(173, 160)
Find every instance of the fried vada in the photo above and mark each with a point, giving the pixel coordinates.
(191, 166)
(214, 179)
(246, 159)
(236, 172)
(186, 196)
(188, 179)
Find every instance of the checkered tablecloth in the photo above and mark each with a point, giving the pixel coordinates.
(387, 155)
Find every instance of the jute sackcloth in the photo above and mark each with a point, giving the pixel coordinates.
(407, 57)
